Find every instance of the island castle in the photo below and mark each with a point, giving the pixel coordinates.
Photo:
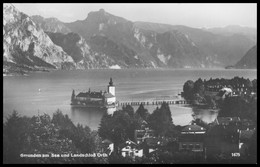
(101, 99)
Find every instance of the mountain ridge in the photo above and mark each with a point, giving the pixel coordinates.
(103, 40)
(249, 60)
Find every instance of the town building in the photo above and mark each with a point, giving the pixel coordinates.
(227, 121)
(144, 132)
(107, 146)
(130, 149)
(225, 92)
(246, 124)
(237, 89)
(192, 138)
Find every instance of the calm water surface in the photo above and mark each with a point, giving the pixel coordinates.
(47, 92)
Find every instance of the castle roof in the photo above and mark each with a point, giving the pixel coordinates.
(81, 94)
(90, 94)
(108, 95)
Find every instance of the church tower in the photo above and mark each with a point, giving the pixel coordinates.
(111, 88)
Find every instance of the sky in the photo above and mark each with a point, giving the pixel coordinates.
(197, 15)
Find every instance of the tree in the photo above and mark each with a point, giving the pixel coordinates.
(119, 127)
(253, 148)
(210, 101)
(238, 107)
(254, 84)
(142, 112)
(42, 135)
(161, 119)
(73, 96)
(129, 109)
(15, 131)
(248, 84)
(199, 87)
(188, 90)
(106, 126)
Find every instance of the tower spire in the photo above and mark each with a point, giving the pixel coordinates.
(111, 82)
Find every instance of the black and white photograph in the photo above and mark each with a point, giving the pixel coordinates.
(129, 83)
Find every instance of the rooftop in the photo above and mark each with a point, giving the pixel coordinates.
(193, 128)
(154, 141)
(90, 94)
(106, 141)
(108, 95)
(128, 143)
(226, 120)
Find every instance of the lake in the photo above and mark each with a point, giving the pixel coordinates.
(46, 92)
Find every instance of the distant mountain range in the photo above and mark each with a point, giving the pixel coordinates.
(235, 29)
(103, 40)
(220, 49)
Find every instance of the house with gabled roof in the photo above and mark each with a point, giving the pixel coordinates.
(226, 121)
(107, 146)
(131, 149)
(192, 138)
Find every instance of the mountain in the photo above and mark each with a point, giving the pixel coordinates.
(102, 52)
(219, 49)
(50, 24)
(26, 47)
(128, 42)
(249, 61)
(130, 47)
(103, 40)
(77, 47)
(144, 45)
(234, 29)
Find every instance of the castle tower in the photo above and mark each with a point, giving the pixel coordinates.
(111, 99)
(111, 88)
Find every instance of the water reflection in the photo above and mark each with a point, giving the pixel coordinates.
(87, 116)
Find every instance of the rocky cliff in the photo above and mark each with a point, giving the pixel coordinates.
(26, 47)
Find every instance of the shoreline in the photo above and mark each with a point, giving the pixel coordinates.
(129, 69)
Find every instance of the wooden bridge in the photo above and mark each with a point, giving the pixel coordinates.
(152, 102)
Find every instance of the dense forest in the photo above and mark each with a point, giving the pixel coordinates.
(45, 135)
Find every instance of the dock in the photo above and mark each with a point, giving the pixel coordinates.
(153, 102)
